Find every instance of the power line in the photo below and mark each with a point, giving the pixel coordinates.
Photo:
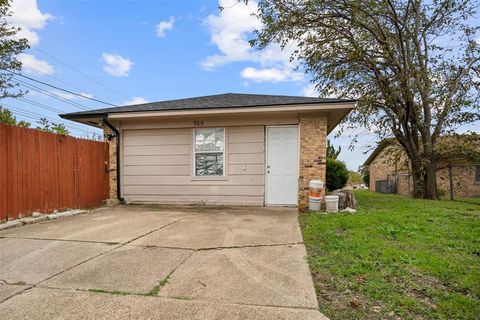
(31, 114)
(38, 104)
(60, 80)
(64, 90)
(80, 72)
(51, 94)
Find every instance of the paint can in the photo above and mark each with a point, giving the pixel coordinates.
(314, 204)
(331, 203)
(316, 187)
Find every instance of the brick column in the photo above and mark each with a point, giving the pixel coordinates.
(112, 166)
(313, 153)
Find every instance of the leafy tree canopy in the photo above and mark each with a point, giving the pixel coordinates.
(10, 47)
(45, 125)
(337, 174)
(413, 65)
(7, 116)
(332, 153)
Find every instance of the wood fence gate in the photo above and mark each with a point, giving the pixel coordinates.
(42, 172)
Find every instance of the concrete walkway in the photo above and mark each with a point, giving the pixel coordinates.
(138, 262)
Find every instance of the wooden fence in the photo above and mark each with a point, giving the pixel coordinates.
(42, 172)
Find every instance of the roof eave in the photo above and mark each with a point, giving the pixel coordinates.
(234, 110)
(93, 119)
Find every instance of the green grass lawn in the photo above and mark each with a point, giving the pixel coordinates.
(396, 258)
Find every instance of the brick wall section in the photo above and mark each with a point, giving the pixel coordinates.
(386, 164)
(464, 184)
(313, 153)
(112, 165)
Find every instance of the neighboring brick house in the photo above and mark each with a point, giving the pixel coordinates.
(239, 149)
(390, 172)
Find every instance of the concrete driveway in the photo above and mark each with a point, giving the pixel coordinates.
(139, 262)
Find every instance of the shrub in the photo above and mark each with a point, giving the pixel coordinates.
(337, 174)
(366, 176)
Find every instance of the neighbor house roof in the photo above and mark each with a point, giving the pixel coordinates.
(227, 100)
(381, 145)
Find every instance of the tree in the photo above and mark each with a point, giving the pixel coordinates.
(10, 47)
(354, 177)
(365, 172)
(6, 116)
(413, 65)
(337, 174)
(52, 127)
(332, 153)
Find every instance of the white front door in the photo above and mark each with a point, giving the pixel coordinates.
(282, 165)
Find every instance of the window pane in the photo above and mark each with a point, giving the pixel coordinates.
(209, 139)
(204, 133)
(477, 173)
(219, 139)
(209, 164)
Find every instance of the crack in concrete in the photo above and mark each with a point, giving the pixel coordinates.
(177, 298)
(165, 280)
(220, 248)
(65, 240)
(120, 244)
(91, 258)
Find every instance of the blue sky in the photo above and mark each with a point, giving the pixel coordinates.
(136, 51)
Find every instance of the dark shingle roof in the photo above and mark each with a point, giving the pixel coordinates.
(227, 100)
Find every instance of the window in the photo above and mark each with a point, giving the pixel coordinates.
(477, 173)
(209, 151)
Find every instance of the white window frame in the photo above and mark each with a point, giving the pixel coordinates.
(194, 153)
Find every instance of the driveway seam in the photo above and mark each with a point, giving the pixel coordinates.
(220, 248)
(171, 272)
(179, 299)
(65, 240)
(91, 258)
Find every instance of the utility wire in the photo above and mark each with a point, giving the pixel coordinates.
(64, 90)
(51, 94)
(18, 110)
(80, 72)
(60, 80)
(33, 116)
(38, 104)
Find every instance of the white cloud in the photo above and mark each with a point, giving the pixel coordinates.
(116, 65)
(164, 26)
(310, 91)
(230, 30)
(135, 100)
(33, 65)
(29, 18)
(69, 96)
(270, 75)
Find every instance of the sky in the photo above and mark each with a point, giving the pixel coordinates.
(128, 52)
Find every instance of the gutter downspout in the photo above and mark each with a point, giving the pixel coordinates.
(117, 135)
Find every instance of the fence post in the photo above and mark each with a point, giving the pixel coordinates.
(450, 177)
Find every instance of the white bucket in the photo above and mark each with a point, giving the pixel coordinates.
(316, 184)
(314, 204)
(331, 203)
(316, 187)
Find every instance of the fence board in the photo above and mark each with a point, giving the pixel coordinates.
(42, 172)
(3, 172)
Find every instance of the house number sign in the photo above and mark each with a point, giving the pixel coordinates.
(198, 123)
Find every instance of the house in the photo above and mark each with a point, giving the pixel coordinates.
(389, 169)
(233, 149)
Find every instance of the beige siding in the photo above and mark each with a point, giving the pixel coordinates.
(157, 167)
